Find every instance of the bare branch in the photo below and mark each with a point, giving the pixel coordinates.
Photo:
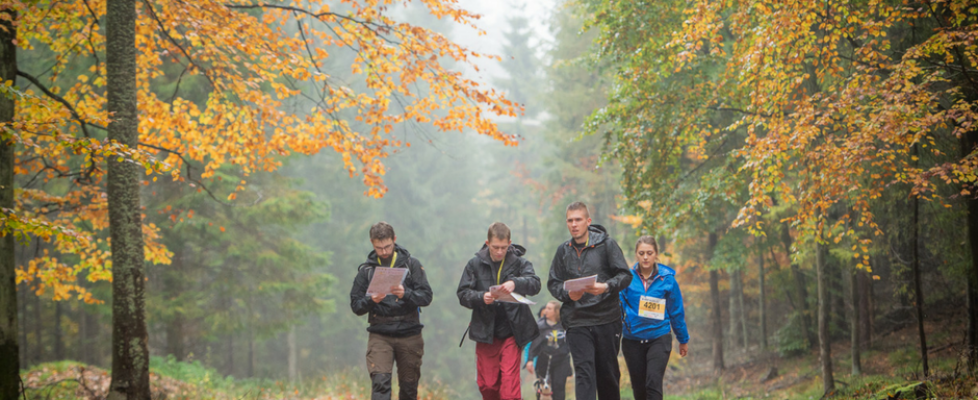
(177, 88)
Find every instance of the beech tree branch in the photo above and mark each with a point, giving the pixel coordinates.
(59, 99)
(365, 24)
(189, 175)
(166, 32)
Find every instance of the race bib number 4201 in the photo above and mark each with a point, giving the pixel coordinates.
(651, 307)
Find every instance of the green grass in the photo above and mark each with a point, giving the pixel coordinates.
(193, 381)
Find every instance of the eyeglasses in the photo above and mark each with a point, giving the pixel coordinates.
(384, 249)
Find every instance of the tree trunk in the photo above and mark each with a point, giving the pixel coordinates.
(22, 290)
(173, 288)
(92, 353)
(59, 345)
(972, 286)
(9, 348)
(742, 309)
(968, 142)
(918, 293)
(174, 338)
(854, 336)
(865, 310)
(293, 356)
(738, 325)
(733, 335)
(251, 351)
(800, 289)
(130, 354)
(84, 352)
(715, 311)
(837, 292)
(38, 324)
(760, 300)
(824, 344)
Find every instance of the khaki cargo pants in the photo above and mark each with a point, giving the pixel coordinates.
(382, 352)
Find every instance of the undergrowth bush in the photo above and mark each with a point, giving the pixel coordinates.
(791, 338)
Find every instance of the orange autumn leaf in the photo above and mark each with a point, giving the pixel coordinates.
(261, 67)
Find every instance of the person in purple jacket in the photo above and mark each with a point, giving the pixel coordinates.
(651, 305)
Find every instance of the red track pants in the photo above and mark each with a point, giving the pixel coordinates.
(498, 366)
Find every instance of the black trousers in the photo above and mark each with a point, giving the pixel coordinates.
(559, 369)
(646, 361)
(594, 350)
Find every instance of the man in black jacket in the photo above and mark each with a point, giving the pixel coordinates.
(591, 316)
(500, 329)
(395, 320)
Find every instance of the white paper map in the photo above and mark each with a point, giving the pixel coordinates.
(384, 279)
(578, 284)
(509, 298)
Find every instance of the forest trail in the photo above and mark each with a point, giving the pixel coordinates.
(888, 364)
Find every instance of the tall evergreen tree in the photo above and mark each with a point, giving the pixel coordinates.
(522, 64)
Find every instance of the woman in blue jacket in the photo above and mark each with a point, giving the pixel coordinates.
(652, 304)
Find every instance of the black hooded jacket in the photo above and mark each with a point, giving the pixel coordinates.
(479, 275)
(392, 316)
(601, 257)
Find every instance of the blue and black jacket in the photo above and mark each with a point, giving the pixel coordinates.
(664, 286)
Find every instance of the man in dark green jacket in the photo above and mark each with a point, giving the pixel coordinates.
(395, 319)
(592, 316)
(499, 328)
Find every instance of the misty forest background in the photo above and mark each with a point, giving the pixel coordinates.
(256, 294)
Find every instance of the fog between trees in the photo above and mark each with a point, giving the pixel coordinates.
(258, 286)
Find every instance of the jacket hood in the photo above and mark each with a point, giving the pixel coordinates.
(513, 249)
(597, 234)
(402, 254)
(663, 269)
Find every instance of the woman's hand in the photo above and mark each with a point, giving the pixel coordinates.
(683, 349)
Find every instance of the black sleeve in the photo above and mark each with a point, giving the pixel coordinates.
(360, 303)
(418, 292)
(621, 277)
(527, 283)
(535, 346)
(468, 296)
(554, 284)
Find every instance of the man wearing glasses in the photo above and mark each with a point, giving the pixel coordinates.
(395, 319)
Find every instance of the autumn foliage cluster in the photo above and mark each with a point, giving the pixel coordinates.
(806, 105)
(220, 83)
(807, 124)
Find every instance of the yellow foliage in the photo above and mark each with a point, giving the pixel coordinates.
(253, 72)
